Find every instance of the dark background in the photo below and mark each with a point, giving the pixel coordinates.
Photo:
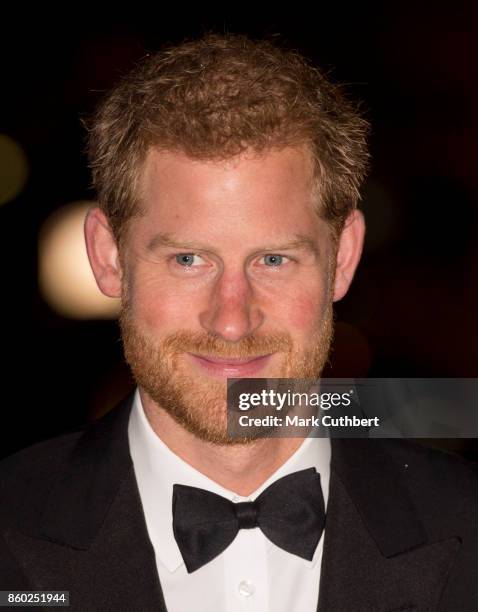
(412, 309)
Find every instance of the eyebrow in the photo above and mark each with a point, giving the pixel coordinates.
(300, 241)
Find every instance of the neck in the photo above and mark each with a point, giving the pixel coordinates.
(241, 468)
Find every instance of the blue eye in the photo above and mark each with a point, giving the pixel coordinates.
(187, 259)
(273, 260)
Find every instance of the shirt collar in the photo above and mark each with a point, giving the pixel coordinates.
(157, 469)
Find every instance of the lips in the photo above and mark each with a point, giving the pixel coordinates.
(231, 367)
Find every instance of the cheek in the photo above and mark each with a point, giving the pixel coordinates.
(304, 306)
(159, 307)
(302, 313)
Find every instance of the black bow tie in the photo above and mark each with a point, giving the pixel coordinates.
(290, 512)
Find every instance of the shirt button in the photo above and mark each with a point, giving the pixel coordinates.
(246, 588)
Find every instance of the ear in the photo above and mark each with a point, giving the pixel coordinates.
(103, 253)
(348, 253)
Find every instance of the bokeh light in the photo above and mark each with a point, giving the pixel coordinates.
(65, 277)
(13, 169)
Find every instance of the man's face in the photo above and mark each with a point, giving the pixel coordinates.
(229, 273)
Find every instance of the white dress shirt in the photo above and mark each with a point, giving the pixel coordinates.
(252, 574)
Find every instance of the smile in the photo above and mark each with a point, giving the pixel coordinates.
(231, 367)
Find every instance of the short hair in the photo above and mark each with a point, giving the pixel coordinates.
(214, 98)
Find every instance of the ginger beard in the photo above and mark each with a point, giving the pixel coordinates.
(196, 401)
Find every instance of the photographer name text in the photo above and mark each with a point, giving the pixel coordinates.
(325, 420)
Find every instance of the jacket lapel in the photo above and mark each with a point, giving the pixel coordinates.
(91, 537)
(377, 556)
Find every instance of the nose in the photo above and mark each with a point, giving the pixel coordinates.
(232, 311)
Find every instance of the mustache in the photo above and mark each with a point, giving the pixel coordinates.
(208, 345)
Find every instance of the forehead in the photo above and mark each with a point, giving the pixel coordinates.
(271, 191)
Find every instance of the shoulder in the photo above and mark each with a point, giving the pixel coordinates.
(425, 463)
(439, 479)
(75, 459)
(407, 456)
(38, 459)
(442, 489)
(27, 476)
(442, 486)
(437, 482)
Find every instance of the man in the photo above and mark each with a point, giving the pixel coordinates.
(228, 173)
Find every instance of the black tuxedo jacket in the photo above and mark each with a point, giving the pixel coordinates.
(401, 529)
